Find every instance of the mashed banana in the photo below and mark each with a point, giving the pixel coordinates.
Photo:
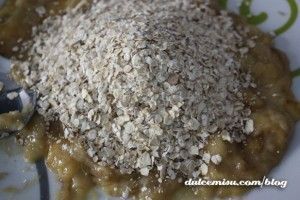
(274, 112)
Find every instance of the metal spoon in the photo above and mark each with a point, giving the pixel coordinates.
(14, 113)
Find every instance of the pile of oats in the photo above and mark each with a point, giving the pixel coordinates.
(143, 84)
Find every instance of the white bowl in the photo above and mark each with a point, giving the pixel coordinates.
(24, 176)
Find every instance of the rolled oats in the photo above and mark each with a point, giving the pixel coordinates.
(216, 159)
(143, 83)
(12, 95)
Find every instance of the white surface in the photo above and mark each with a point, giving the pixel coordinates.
(288, 169)
(21, 176)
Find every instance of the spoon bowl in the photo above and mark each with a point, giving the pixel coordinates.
(17, 106)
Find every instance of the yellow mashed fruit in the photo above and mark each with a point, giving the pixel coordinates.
(274, 112)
